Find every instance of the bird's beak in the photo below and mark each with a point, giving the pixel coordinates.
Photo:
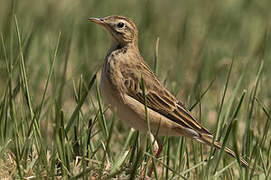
(99, 21)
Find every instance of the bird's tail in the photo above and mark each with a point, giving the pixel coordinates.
(208, 139)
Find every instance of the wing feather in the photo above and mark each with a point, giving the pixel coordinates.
(158, 98)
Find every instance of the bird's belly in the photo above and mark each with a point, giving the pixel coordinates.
(132, 112)
(112, 99)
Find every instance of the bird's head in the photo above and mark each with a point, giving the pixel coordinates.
(122, 30)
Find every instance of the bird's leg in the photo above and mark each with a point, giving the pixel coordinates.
(158, 147)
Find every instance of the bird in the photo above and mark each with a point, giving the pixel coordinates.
(130, 87)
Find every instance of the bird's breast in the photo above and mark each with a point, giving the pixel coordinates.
(110, 84)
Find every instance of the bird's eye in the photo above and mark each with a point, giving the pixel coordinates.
(120, 25)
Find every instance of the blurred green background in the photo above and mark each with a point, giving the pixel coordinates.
(198, 41)
(193, 35)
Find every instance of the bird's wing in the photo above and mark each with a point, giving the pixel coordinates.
(158, 98)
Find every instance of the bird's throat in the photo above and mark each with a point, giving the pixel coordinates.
(115, 45)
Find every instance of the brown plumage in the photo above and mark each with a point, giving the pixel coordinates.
(121, 88)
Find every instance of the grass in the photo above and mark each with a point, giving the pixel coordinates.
(215, 57)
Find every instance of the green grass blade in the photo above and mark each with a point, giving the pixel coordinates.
(23, 71)
(156, 57)
(218, 124)
(149, 127)
(246, 141)
(79, 105)
(51, 70)
(102, 120)
(123, 154)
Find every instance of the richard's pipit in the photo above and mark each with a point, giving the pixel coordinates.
(121, 87)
